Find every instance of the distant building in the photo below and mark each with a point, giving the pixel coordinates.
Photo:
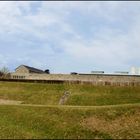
(97, 72)
(121, 72)
(22, 71)
(27, 69)
(135, 71)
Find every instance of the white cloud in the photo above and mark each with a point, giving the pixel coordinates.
(113, 40)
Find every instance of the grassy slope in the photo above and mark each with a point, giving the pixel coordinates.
(49, 94)
(121, 121)
(63, 122)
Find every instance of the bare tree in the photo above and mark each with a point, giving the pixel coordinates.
(4, 73)
(1, 74)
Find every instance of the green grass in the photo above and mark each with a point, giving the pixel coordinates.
(83, 95)
(86, 114)
(69, 123)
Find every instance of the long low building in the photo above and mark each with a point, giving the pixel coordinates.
(30, 73)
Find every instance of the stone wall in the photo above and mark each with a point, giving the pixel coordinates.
(104, 79)
(22, 69)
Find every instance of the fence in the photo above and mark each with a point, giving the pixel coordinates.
(102, 83)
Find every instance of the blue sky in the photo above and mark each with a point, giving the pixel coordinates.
(67, 36)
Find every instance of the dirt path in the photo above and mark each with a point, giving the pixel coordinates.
(64, 98)
(9, 102)
(19, 103)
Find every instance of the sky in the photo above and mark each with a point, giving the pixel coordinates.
(70, 36)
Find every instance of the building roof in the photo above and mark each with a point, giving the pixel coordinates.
(32, 69)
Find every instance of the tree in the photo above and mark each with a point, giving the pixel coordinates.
(4, 73)
(4, 70)
(1, 74)
(47, 71)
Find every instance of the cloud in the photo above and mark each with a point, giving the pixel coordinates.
(81, 35)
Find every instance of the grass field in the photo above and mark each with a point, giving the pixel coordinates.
(90, 112)
(50, 94)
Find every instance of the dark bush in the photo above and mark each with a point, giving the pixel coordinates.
(47, 71)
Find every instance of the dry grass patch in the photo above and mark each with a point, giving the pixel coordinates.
(123, 127)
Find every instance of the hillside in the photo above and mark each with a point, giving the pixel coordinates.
(90, 112)
(63, 122)
(83, 95)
